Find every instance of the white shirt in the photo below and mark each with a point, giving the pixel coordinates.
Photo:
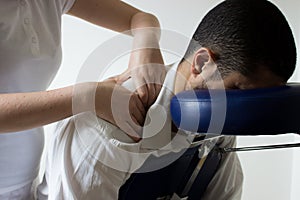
(89, 158)
(30, 55)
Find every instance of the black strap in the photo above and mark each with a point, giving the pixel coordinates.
(197, 180)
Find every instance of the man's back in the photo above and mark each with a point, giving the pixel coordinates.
(90, 158)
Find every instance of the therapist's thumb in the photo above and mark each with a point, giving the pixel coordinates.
(121, 78)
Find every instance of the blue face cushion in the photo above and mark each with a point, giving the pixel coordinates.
(263, 111)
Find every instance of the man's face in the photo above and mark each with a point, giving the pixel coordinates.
(235, 80)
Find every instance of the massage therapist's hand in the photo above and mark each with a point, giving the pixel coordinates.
(145, 65)
(145, 31)
(120, 107)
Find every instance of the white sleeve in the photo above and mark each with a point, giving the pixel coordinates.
(65, 5)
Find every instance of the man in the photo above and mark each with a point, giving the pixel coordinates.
(238, 45)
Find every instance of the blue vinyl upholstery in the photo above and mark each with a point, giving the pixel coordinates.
(264, 111)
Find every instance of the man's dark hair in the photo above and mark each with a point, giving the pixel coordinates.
(245, 35)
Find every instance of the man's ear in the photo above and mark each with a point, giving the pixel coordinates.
(203, 63)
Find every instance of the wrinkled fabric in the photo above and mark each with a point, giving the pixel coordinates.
(90, 158)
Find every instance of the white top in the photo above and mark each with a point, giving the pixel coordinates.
(30, 55)
(89, 158)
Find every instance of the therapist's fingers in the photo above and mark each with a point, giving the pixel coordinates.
(154, 80)
(154, 86)
(157, 88)
(161, 80)
(121, 107)
(140, 106)
(122, 77)
(142, 89)
(129, 112)
(134, 132)
(133, 123)
(137, 109)
(152, 93)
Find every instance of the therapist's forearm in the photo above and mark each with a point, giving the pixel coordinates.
(121, 17)
(113, 14)
(21, 111)
(148, 24)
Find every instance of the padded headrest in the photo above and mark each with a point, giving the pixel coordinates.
(264, 111)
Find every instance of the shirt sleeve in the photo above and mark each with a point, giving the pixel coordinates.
(66, 5)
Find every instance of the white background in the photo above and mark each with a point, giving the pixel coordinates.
(271, 174)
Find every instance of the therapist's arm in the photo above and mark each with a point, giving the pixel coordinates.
(21, 111)
(119, 16)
